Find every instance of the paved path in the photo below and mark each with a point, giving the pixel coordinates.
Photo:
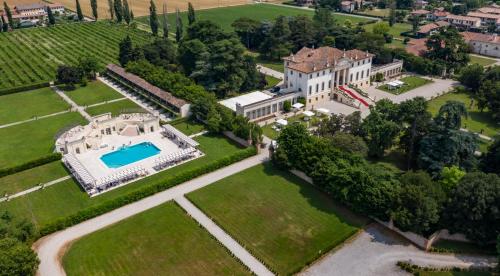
(106, 102)
(50, 247)
(270, 72)
(147, 107)
(241, 253)
(78, 108)
(36, 188)
(34, 119)
(376, 251)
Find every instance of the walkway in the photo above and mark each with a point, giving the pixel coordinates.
(76, 107)
(270, 72)
(376, 251)
(34, 119)
(238, 251)
(127, 95)
(106, 102)
(36, 188)
(49, 248)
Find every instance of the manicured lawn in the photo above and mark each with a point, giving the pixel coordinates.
(271, 81)
(94, 92)
(273, 134)
(484, 61)
(395, 30)
(160, 241)
(21, 181)
(25, 105)
(411, 83)
(282, 220)
(32, 140)
(66, 198)
(189, 127)
(377, 12)
(476, 120)
(227, 15)
(396, 44)
(115, 108)
(275, 65)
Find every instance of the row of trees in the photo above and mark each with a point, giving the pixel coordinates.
(118, 10)
(415, 201)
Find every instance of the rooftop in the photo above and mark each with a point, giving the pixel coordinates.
(468, 36)
(461, 17)
(245, 99)
(432, 26)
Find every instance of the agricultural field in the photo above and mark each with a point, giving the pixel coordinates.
(226, 16)
(476, 119)
(161, 241)
(29, 56)
(279, 218)
(32, 140)
(66, 198)
(116, 108)
(26, 105)
(93, 93)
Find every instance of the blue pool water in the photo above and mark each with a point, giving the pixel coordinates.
(129, 154)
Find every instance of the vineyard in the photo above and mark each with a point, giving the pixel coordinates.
(31, 56)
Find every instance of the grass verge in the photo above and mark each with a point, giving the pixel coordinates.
(94, 92)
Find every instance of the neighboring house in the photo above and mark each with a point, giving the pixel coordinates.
(483, 44)
(347, 6)
(421, 4)
(486, 18)
(437, 15)
(305, 3)
(420, 13)
(33, 13)
(417, 46)
(464, 22)
(430, 28)
(490, 10)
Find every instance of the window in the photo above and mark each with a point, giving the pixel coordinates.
(322, 86)
(300, 89)
(362, 74)
(317, 87)
(350, 77)
(330, 84)
(291, 84)
(152, 129)
(317, 74)
(77, 150)
(368, 72)
(311, 76)
(291, 72)
(323, 72)
(357, 76)
(310, 89)
(300, 75)
(309, 100)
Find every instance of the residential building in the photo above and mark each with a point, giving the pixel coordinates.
(486, 18)
(347, 6)
(490, 10)
(417, 46)
(438, 15)
(420, 13)
(465, 22)
(305, 3)
(483, 44)
(421, 4)
(430, 28)
(33, 13)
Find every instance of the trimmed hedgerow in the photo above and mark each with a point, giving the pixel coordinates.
(31, 164)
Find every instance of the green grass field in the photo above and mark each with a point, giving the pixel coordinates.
(268, 130)
(275, 65)
(32, 140)
(271, 81)
(32, 55)
(160, 241)
(484, 61)
(411, 83)
(115, 108)
(476, 120)
(25, 105)
(21, 181)
(67, 198)
(227, 15)
(377, 12)
(395, 30)
(282, 220)
(94, 92)
(189, 127)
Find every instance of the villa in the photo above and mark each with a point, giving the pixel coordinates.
(34, 13)
(114, 151)
(318, 76)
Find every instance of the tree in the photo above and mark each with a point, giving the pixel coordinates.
(379, 133)
(420, 203)
(190, 15)
(69, 75)
(8, 12)
(392, 16)
(161, 52)
(324, 24)
(1, 24)
(381, 28)
(93, 5)
(127, 52)
(179, 29)
(191, 52)
(79, 13)
(164, 21)
(472, 76)
(111, 6)
(448, 47)
(118, 10)
(247, 30)
(490, 163)
(473, 207)
(349, 143)
(153, 18)
(302, 32)
(131, 15)
(50, 16)
(450, 115)
(17, 258)
(126, 12)
(415, 22)
(287, 106)
(277, 44)
(450, 176)
(89, 67)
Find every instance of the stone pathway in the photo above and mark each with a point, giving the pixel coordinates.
(270, 72)
(76, 107)
(36, 188)
(50, 247)
(34, 119)
(238, 251)
(198, 134)
(106, 102)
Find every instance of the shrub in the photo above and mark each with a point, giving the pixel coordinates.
(23, 88)
(31, 164)
(287, 106)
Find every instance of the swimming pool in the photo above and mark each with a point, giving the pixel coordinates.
(129, 154)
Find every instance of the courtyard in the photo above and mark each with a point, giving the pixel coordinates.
(407, 83)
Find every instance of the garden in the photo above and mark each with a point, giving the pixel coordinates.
(282, 220)
(410, 83)
(92, 93)
(116, 108)
(160, 241)
(31, 56)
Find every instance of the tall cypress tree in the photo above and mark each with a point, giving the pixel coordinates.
(126, 12)
(178, 25)
(93, 5)
(153, 18)
(111, 6)
(1, 24)
(79, 13)
(51, 17)
(5, 26)
(131, 15)
(191, 15)
(164, 21)
(8, 12)
(118, 11)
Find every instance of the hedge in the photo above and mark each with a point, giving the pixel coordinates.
(23, 88)
(134, 196)
(31, 164)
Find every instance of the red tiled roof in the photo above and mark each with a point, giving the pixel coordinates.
(461, 17)
(417, 46)
(470, 36)
(169, 98)
(432, 26)
(483, 15)
(310, 60)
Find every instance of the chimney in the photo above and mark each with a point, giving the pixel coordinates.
(343, 55)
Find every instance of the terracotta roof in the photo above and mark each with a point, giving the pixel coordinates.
(345, 3)
(489, 10)
(441, 13)
(30, 6)
(420, 12)
(417, 46)
(432, 26)
(169, 98)
(461, 17)
(470, 36)
(484, 15)
(309, 60)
